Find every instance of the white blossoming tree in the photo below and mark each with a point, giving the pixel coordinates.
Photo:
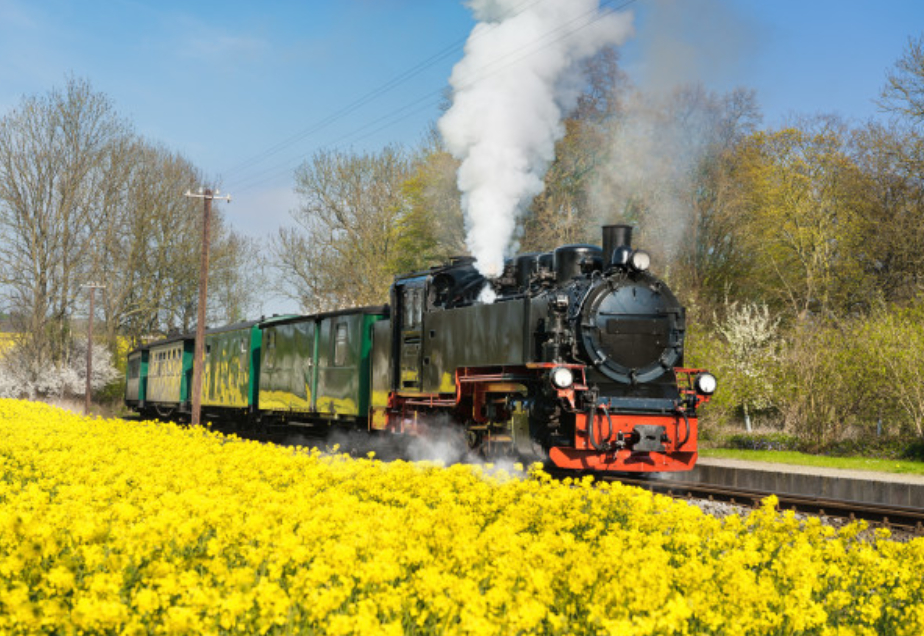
(22, 377)
(752, 338)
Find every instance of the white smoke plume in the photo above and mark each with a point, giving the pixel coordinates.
(517, 80)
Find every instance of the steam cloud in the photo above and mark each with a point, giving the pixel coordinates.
(517, 80)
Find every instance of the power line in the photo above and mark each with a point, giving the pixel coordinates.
(363, 132)
(562, 31)
(365, 99)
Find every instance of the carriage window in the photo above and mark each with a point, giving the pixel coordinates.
(269, 358)
(340, 345)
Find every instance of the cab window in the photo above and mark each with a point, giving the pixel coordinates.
(413, 307)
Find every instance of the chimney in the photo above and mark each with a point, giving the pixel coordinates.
(615, 236)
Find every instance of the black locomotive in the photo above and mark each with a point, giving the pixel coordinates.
(579, 356)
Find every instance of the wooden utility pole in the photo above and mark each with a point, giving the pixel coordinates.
(199, 351)
(92, 287)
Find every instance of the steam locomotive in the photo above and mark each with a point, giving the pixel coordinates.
(578, 359)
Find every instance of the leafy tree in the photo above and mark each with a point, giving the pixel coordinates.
(708, 259)
(891, 345)
(891, 249)
(661, 151)
(431, 225)
(798, 194)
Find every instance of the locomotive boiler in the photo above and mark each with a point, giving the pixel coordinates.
(579, 358)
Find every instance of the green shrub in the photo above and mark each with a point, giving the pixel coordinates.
(763, 441)
(821, 381)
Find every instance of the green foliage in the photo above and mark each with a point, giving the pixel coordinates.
(796, 203)
(823, 382)
(112, 393)
(914, 450)
(763, 441)
(881, 447)
(891, 345)
(430, 229)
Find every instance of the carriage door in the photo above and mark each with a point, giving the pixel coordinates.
(411, 297)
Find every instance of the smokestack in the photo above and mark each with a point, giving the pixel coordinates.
(615, 236)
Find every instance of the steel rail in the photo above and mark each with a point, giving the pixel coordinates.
(906, 519)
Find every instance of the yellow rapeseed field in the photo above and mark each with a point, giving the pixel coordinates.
(108, 526)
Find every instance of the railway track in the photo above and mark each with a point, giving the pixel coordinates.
(903, 519)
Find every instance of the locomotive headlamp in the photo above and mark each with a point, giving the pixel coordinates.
(705, 383)
(621, 255)
(640, 261)
(562, 377)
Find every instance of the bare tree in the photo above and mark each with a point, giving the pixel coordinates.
(904, 90)
(83, 198)
(148, 252)
(57, 153)
(237, 279)
(147, 249)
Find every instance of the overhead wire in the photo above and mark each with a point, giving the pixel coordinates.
(432, 98)
(372, 95)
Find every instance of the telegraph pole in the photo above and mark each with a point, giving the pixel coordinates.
(199, 352)
(92, 287)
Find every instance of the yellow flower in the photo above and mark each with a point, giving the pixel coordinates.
(154, 528)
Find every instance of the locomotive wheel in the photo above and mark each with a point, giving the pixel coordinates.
(489, 442)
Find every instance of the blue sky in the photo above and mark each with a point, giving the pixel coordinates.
(240, 88)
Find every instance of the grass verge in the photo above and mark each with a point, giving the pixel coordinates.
(825, 461)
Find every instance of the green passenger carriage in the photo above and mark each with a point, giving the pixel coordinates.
(136, 378)
(230, 369)
(307, 369)
(317, 367)
(169, 377)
